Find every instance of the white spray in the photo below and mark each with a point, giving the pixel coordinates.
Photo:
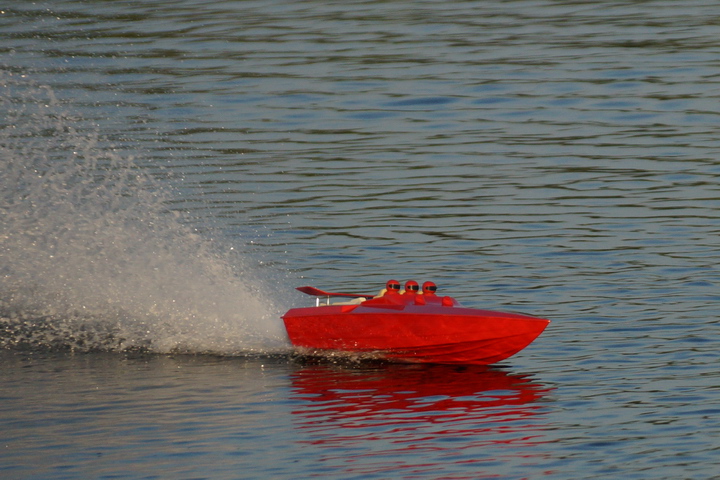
(91, 258)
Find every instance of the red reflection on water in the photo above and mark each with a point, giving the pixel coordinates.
(419, 419)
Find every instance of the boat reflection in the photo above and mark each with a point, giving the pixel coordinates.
(419, 419)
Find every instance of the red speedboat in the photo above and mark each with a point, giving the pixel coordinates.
(409, 328)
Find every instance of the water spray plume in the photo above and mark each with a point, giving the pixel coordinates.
(92, 259)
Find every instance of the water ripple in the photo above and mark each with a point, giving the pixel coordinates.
(558, 158)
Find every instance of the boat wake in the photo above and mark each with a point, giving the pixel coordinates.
(91, 258)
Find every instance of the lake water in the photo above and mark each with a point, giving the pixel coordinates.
(172, 170)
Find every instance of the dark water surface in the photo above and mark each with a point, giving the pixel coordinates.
(171, 170)
(94, 416)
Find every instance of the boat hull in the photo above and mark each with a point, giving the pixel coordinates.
(413, 333)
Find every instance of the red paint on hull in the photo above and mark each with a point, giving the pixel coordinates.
(402, 331)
